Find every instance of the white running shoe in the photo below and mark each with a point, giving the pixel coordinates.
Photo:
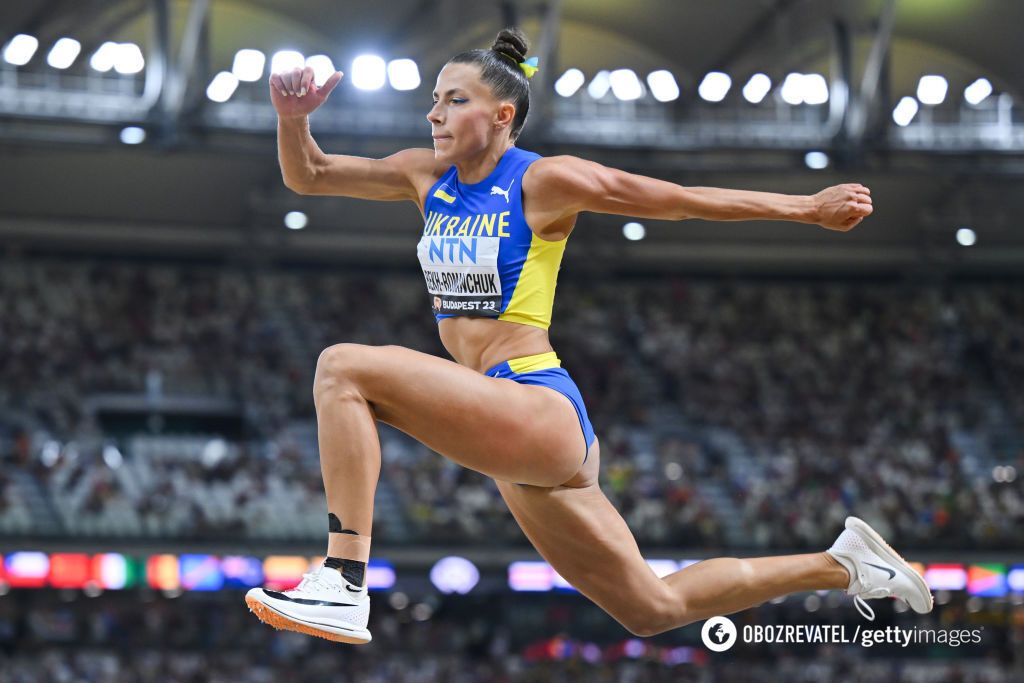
(876, 570)
(324, 604)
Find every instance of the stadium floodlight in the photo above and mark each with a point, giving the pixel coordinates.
(322, 67)
(112, 456)
(369, 72)
(663, 85)
(932, 89)
(756, 88)
(128, 59)
(905, 111)
(714, 87)
(248, 65)
(569, 82)
(976, 92)
(966, 237)
(286, 60)
(133, 135)
(600, 85)
(816, 160)
(815, 89)
(222, 87)
(634, 231)
(64, 53)
(454, 574)
(103, 59)
(403, 74)
(295, 220)
(20, 49)
(625, 84)
(792, 90)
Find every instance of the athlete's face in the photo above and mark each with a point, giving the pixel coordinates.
(466, 117)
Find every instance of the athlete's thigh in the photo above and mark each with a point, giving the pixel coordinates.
(505, 430)
(580, 533)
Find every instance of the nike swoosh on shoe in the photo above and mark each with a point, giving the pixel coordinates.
(892, 572)
(306, 601)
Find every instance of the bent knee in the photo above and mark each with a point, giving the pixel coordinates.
(338, 367)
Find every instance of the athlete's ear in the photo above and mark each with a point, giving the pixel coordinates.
(506, 113)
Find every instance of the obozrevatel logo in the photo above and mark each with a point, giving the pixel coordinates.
(718, 633)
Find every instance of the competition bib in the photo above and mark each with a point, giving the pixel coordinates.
(461, 274)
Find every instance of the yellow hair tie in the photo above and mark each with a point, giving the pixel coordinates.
(529, 67)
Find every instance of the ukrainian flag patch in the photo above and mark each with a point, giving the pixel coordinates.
(445, 193)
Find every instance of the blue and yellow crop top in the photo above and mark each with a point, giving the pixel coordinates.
(479, 257)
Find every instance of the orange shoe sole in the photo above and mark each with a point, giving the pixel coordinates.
(279, 621)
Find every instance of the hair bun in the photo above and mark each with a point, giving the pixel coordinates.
(513, 43)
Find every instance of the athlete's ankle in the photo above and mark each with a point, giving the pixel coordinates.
(347, 551)
(839, 575)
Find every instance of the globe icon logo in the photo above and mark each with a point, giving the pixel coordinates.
(718, 634)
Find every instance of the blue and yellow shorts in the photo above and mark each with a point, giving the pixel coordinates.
(545, 370)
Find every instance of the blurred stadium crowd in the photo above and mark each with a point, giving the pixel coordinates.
(65, 638)
(751, 414)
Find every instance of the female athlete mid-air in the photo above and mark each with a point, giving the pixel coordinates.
(496, 222)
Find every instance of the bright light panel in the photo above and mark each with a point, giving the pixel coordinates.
(322, 67)
(103, 59)
(133, 135)
(600, 85)
(248, 65)
(20, 49)
(569, 82)
(815, 89)
(976, 92)
(816, 160)
(64, 53)
(756, 88)
(633, 231)
(625, 84)
(804, 89)
(286, 60)
(368, 72)
(714, 87)
(932, 89)
(128, 59)
(403, 74)
(663, 85)
(793, 89)
(222, 87)
(905, 111)
(295, 220)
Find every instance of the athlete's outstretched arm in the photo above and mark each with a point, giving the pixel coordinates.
(572, 185)
(306, 169)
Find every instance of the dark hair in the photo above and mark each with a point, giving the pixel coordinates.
(499, 69)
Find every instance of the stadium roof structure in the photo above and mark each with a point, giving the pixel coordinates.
(206, 181)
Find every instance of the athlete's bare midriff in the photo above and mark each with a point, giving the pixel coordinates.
(481, 343)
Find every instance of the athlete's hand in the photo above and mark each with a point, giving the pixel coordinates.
(294, 94)
(842, 207)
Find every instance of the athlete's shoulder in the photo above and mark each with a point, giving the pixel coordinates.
(419, 161)
(421, 168)
(524, 154)
(565, 175)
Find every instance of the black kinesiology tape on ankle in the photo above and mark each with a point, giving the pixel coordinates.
(353, 570)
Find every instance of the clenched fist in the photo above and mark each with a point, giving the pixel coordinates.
(841, 207)
(294, 94)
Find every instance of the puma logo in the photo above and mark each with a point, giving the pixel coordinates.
(497, 190)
